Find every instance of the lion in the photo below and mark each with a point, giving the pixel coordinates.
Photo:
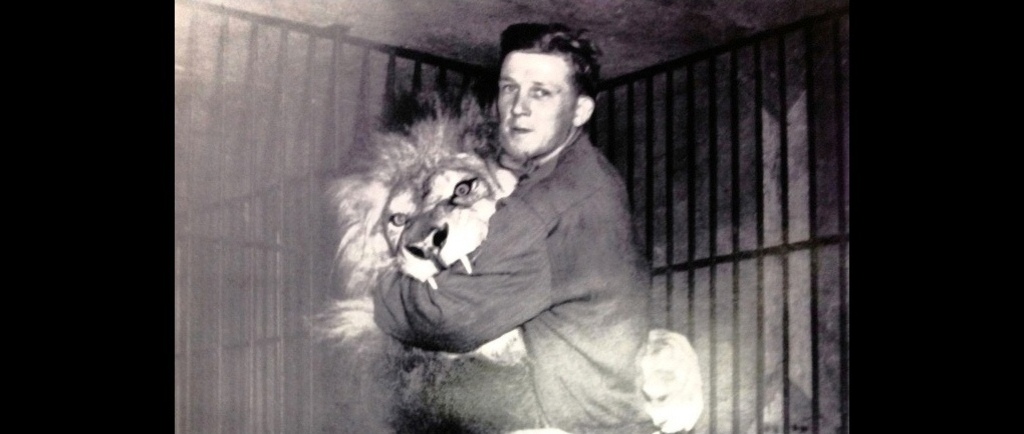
(395, 214)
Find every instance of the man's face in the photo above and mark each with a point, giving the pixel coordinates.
(537, 103)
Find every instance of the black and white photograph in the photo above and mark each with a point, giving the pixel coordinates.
(511, 216)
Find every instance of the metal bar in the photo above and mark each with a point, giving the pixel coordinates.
(610, 142)
(713, 229)
(592, 131)
(784, 186)
(734, 170)
(330, 131)
(649, 169)
(278, 319)
(417, 77)
(389, 87)
(362, 126)
(182, 423)
(669, 194)
(779, 250)
(306, 131)
(442, 77)
(720, 49)
(812, 198)
(219, 222)
(691, 194)
(440, 62)
(759, 212)
(250, 257)
(841, 189)
(631, 146)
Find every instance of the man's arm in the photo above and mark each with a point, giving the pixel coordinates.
(510, 284)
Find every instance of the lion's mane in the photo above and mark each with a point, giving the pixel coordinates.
(381, 385)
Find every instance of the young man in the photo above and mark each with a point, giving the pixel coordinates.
(559, 259)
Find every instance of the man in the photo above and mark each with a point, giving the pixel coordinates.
(559, 259)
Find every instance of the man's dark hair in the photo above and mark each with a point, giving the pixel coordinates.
(557, 38)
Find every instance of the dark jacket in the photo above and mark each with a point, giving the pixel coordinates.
(560, 260)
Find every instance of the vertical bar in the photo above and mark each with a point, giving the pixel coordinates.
(713, 229)
(330, 133)
(669, 195)
(691, 195)
(841, 187)
(784, 186)
(610, 135)
(389, 88)
(182, 423)
(361, 129)
(631, 146)
(649, 168)
(592, 127)
(759, 205)
(219, 223)
(734, 112)
(278, 319)
(442, 77)
(417, 77)
(812, 198)
(307, 130)
(249, 228)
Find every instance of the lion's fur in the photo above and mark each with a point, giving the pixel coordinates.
(388, 386)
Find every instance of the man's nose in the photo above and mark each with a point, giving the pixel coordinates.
(521, 105)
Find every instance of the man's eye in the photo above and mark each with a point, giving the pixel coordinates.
(398, 219)
(508, 88)
(541, 93)
(465, 187)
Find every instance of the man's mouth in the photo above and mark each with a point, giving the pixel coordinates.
(519, 130)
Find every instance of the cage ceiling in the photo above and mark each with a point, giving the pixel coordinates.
(634, 34)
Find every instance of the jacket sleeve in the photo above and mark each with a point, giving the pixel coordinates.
(510, 284)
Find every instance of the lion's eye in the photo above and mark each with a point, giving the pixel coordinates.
(465, 187)
(398, 219)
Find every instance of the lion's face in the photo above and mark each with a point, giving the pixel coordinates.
(441, 217)
(671, 383)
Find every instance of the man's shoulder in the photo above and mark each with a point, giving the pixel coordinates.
(581, 174)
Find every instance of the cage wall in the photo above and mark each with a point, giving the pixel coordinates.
(736, 163)
(266, 113)
(744, 217)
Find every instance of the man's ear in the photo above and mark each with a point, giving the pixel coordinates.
(584, 109)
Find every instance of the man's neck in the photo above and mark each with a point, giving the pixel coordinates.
(573, 135)
(527, 166)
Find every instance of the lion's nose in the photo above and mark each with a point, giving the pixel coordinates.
(416, 251)
(427, 246)
(440, 236)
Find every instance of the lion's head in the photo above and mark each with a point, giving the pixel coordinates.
(420, 201)
(670, 381)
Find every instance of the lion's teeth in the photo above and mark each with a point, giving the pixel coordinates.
(465, 263)
(432, 282)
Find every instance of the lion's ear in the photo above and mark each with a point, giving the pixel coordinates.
(362, 251)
